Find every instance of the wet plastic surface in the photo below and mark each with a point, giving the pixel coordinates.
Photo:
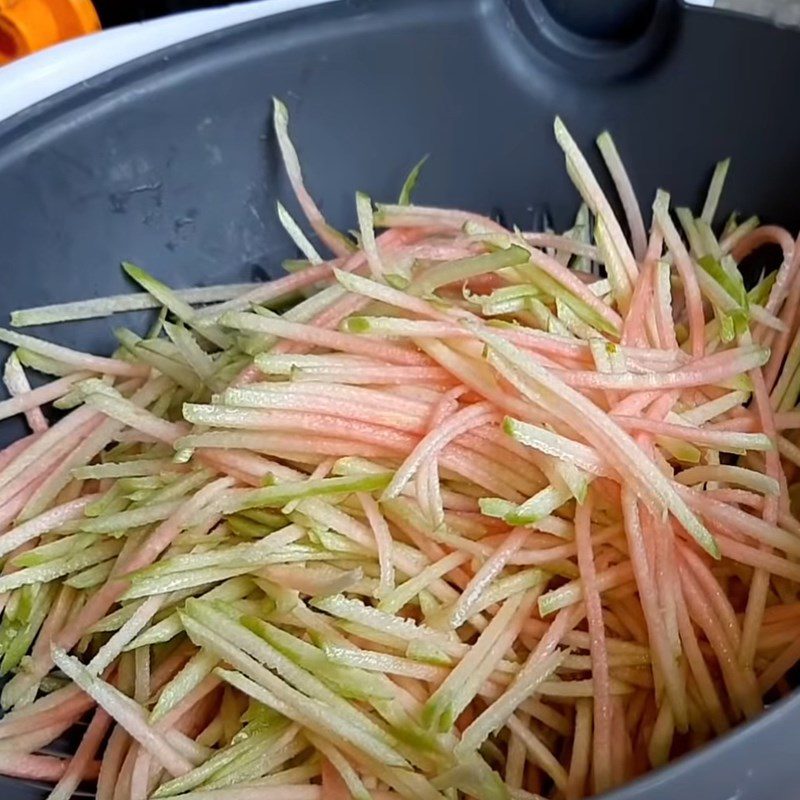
(169, 162)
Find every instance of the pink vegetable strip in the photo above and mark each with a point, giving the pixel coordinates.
(312, 212)
(772, 234)
(627, 196)
(485, 575)
(788, 317)
(434, 442)
(759, 586)
(702, 372)
(662, 652)
(691, 289)
(718, 601)
(739, 680)
(321, 337)
(82, 760)
(272, 290)
(65, 705)
(36, 740)
(711, 438)
(41, 768)
(699, 669)
(15, 448)
(80, 361)
(43, 454)
(633, 331)
(45, 522)
(581, 752)
(452, 456)
(383, 542)
(12, 507)
(779, 666)
(17, 383)
(126, 712)
(128, 411)
(601, 732)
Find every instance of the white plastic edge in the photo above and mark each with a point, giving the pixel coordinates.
(36, 77)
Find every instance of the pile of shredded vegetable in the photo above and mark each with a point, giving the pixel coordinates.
(456, 511)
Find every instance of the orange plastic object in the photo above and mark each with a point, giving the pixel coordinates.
(30, 25)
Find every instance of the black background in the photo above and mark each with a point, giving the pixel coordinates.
(118, 12)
